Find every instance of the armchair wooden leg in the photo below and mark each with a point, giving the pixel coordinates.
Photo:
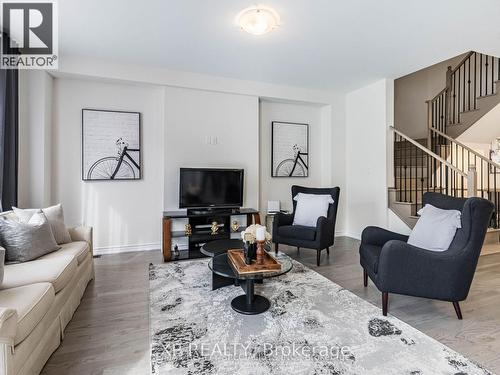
(385, 302)
(365, 278)
(457, 310)
(276, 248)
(327, 251)
(318, 257)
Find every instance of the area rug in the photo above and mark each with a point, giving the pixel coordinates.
(314, 326)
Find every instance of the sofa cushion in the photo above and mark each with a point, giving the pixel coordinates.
(299, 232)
(77, 249)
(31, 302)
(58, 271)
(55, 216)
(27, 241)
(370, 255)
(2, 263)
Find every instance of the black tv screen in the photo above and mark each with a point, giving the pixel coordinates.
(204, 187)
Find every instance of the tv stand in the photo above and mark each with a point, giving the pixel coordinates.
(212, 210)
(200, 221)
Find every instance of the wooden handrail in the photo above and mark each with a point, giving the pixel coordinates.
(439, 94)
(462, 61)
(428, 152)
(453, 140)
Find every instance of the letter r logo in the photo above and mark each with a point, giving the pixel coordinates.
(29, 27)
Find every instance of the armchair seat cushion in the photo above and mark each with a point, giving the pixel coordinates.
(370, 255)
(299, 232)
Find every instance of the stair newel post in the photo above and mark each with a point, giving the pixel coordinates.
(449, 82)
(472, 181)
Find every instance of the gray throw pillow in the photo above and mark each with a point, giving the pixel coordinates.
(54, 214)
(27, 241)
(2, 262)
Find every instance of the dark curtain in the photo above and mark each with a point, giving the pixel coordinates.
(9, 136)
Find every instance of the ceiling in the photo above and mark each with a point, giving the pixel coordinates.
(322, 44)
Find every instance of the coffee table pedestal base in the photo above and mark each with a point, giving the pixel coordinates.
(259, 305)
(250, 303)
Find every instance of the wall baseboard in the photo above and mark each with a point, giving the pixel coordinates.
(106, 250)
(340, 233)
(356, 236)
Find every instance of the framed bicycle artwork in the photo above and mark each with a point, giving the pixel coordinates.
(111, 145)
(289, 149)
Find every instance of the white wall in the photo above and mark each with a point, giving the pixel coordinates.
(178, 111)
(485, 130)
(411, 93)
(35, 138)
(123, 213)
(319, 172)
(193, 115)
(367, 117)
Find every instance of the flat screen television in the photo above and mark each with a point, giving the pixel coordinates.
(210, 187)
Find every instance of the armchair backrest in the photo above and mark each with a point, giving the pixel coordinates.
(334, 192)
(468, 242)
(476, 215)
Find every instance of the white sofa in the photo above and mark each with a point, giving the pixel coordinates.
(37, 301)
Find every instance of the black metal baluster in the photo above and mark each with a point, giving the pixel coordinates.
(475, 80)
(486, 74)
(463, 93)
(492, 76)
(410, 166)
(454, 95)
(468, 82)
(405, 166)
(481, 74)
(458, 99)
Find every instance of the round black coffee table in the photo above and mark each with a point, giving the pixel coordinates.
(248, 303)
(217, 247)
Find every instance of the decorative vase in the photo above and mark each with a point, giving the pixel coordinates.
(247, 252)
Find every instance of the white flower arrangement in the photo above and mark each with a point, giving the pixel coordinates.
(249, 234)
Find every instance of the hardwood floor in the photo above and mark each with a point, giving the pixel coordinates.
(109, 333)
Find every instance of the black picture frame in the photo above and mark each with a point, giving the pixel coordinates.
(139, 150)
(292, 162)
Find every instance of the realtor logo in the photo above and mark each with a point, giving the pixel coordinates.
(29, 37)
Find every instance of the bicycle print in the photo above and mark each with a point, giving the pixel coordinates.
(290, 155)
(110, 145)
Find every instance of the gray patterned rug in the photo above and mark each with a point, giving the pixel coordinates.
(313, 327)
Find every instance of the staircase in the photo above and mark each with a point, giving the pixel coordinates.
(472, 90)
(441, 163)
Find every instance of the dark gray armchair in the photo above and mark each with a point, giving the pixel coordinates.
(320, 237)
(397, 267)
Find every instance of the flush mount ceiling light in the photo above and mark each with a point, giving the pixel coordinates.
(258, 19)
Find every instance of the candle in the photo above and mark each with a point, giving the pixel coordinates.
(260, 233)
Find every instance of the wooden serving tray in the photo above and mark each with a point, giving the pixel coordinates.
(237, 260)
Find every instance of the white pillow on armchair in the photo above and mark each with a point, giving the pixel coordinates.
(435, 229)
(310, 207)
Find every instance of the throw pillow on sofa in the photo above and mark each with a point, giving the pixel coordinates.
(435, 229)
(2, 263)
(310, 207)
(27, 241)
(55, 216)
